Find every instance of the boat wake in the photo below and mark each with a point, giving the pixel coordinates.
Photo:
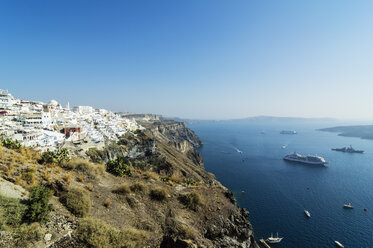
(238, 150)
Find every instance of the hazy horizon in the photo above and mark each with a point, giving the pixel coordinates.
(193, 59)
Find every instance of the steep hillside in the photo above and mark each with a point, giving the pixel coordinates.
(152, 192)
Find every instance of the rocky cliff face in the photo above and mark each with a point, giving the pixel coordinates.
(226, 227)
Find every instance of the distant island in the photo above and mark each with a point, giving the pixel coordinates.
(361, 131)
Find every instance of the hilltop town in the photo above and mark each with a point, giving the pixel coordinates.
(49, 126)
(93, 178)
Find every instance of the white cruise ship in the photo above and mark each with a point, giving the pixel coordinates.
(309, 159)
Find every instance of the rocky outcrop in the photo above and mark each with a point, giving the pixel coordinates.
(174, 133)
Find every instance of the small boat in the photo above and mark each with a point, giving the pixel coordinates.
(274, 240)
(348, 206)
(283, 147)
(288, 132)
(337, 243)
(307, 213)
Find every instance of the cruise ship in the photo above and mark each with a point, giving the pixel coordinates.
(309, 159)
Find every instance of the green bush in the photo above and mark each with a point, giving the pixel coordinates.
(97, 233)
(191, 200)
(78, 201)
(158, 194)
(119, 167)
(11, 144)
(39, 207)
(189, 181)
(12, 212)
(59, 157)
(27, 236)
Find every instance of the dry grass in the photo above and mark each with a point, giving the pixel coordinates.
(90, 187)
(97, 233)
(67, 178)
(27, 236)
(138, 187)
(107, 202)
(77, 200)
(85, 166)
(192, 200)
(47, 176)
(150, 175)
(122, 189)
(80, 178)
(158, 194)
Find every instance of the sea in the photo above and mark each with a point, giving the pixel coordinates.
(247, 158)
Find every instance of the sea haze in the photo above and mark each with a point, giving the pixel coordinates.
(277, 192)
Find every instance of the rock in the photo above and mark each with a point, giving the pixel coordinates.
(59, 187)
(47, 237)
(3, 167)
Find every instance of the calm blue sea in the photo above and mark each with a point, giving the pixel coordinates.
(276, 192)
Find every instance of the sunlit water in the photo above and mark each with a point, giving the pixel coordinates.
(277, 192)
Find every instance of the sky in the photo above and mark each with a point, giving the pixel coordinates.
(200, 59)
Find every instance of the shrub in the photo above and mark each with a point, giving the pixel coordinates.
(84, 166)
(27, 236)
(189, 181)
(95, 155)
(185, 232)
(80, 178)
(90, 186)
(191, 200)
(131, 201)
(28, 177)
(39, 207)
(97, 233)
(12, 212)
(119, 167)
(107, 202)
(150, 175)
(67, 178)
(158, 194)
(132, 238)
(59, 157)
(138, 187)
(122, 189)
(78, 202)
(11, 144)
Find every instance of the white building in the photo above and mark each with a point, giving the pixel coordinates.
(83, 110)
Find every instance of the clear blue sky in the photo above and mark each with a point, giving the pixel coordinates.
(192, 58)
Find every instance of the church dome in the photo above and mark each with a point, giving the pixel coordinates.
(53, 103)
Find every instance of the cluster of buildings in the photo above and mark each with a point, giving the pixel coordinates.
(48, 126)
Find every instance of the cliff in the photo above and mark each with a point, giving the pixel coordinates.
(165, 198)
(361, 131)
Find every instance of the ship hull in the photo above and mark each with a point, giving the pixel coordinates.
(305, 162)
